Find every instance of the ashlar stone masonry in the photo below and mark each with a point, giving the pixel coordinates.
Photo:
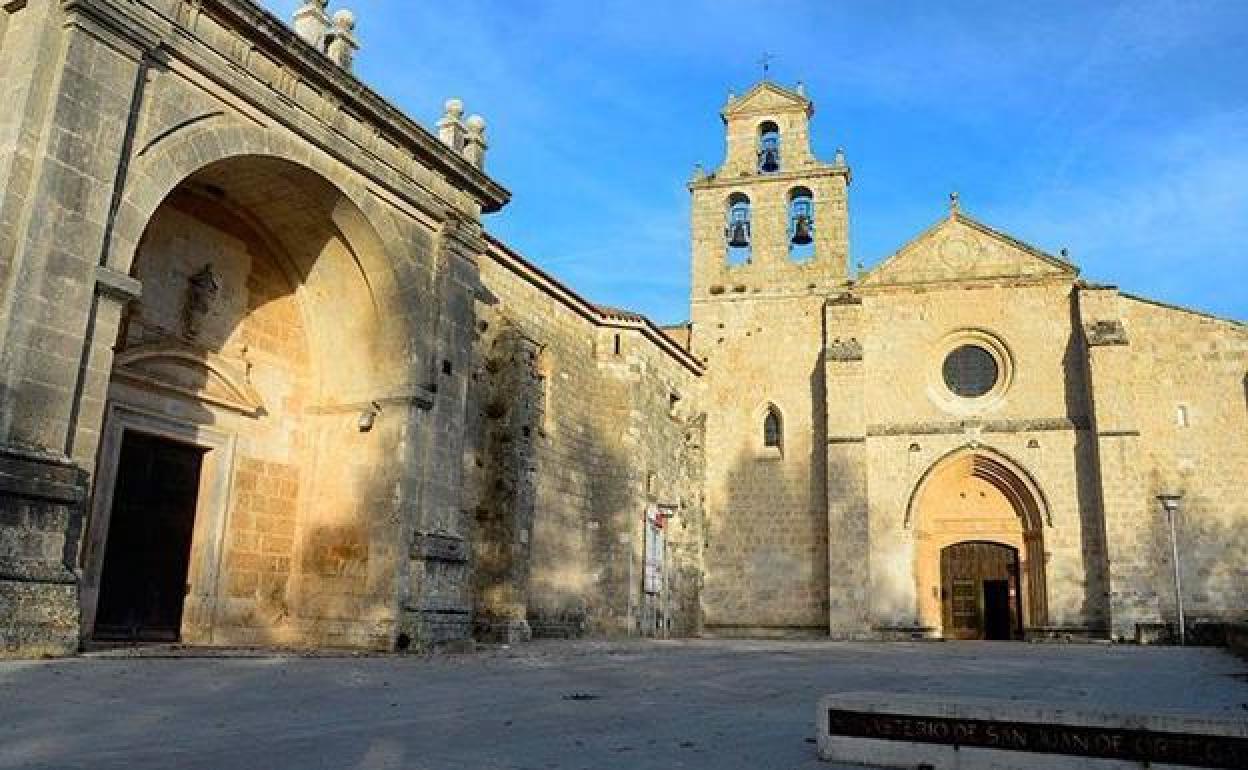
(968, 440)
(265, 379)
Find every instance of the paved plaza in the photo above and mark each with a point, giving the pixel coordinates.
(568, 705)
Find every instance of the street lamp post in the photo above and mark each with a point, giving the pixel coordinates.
(1170, 503)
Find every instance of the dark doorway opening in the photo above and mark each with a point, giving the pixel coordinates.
(980, 591)
(143, 580)
(997, 609)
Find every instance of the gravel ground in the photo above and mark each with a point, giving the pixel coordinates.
(719, 704)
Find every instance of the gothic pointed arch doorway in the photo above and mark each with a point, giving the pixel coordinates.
(979, 522)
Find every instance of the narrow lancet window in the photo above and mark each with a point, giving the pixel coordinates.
(773, 429)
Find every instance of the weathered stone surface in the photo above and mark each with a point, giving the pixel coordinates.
(212, 233)
(199, 250)
(580, 418)
(842, 526)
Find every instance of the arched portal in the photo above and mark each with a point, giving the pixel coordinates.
(979, 556)
(240, 494)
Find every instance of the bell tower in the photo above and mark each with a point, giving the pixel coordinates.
(770, 246)
(773, 217)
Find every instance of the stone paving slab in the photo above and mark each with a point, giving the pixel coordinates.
(720, 704)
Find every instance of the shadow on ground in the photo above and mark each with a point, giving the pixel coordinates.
(682, 704)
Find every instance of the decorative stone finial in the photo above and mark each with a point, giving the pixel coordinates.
(801, 88)
(839, 158)
(311, 22)
(955, 205)
(732, 96)
(451, 126)
(340, 42)
(474, 141)
(699, 173)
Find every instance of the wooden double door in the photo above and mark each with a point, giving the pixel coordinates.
(980, 596)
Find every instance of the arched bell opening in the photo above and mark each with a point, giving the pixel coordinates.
(768, 147)
(978, 523)
(801, 225)
(737, 230)
(240, 478)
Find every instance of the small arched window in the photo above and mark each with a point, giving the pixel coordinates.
(768, 147)
(801, 224)
(737, 229)
(773, 429)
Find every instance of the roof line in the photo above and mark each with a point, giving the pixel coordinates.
(1040, 253)
(970, 221)
(252, 21)
(1182, 309)
(602, 316)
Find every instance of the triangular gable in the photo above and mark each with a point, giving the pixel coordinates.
(961, 249)
(767, 97)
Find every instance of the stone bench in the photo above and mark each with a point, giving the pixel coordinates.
(927, 731)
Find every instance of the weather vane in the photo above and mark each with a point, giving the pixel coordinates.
(766, 61)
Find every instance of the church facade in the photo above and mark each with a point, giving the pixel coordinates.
(967, 440)
(267, 380)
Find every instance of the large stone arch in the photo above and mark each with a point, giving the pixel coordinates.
(290, 374)
(977, 494)
(161, 167)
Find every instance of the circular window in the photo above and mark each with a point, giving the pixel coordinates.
(971, 371)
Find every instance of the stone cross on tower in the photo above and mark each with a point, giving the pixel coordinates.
(766, 61)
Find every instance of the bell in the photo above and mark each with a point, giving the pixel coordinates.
(739, 234)
(769, 159)
(801, 230)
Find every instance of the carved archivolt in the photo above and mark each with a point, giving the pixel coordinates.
(195, 374)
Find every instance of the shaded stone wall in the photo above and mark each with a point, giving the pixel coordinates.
(511, 400)
(119, 104)
(1184, 388)
(767, 509)
(39, 526)
(574, 431)
(253, 321)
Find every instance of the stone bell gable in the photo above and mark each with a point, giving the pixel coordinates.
(766, 98)
(959, 248)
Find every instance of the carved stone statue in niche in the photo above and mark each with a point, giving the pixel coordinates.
(201, 293)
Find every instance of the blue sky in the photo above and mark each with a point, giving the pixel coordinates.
(1118, 130)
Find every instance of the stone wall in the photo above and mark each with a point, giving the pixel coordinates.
(1190, 399)
(1038, 424)
(376, 223)
(38, 542)
(757, 325)
(767, 507)
(579, 419)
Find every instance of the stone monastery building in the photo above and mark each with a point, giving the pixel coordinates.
(265, 379)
